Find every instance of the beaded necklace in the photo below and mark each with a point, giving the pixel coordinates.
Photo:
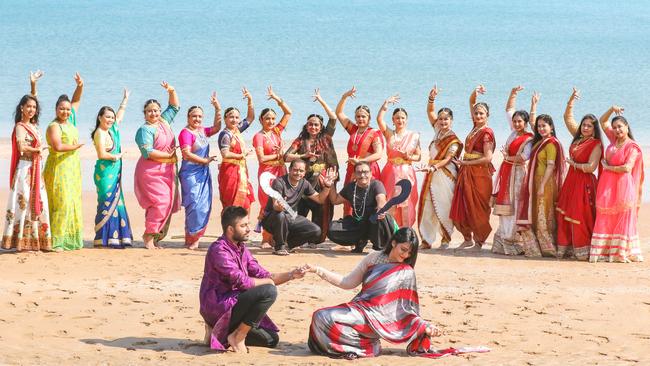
(354, 203)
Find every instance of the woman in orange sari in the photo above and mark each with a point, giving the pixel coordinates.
(510, 178)
(470, 208)
(235, 188)
(576, 206)
(403, 148)
(536, 217)
(268, 147)
(615, 236)
(365, 144)
(440, 181)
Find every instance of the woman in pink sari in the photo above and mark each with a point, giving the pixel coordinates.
(615, 237)
(403, 148)
(270, 152)
(155, 184)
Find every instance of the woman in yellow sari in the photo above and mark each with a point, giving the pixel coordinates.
(62, 173)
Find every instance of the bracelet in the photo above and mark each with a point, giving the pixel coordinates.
(291, 275)
(280, 101)
(431, 100)
(122, 105)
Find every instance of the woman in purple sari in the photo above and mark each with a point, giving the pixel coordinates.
(194, 175)
(387, 306)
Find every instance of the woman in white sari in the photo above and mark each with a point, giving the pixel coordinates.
(438, 187)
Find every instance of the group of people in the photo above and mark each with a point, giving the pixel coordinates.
(548, 204)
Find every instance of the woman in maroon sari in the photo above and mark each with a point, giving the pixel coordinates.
(470, 208)
(576, 206)
(365, 144)
(386, 308)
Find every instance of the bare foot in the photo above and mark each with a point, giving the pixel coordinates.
(237, 343)
(425, 245)
(194, 246)
(148, 241)
(466, 244)
(433, 331)
(208, 334)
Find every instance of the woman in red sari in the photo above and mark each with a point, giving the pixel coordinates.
(510, 178)
(235, 188)
(536, 216)
(268, 147)
(365, 144)
(576, 206)
(470, 208)
(616, 237)
(402, 149)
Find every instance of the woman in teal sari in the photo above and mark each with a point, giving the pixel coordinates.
(62, 173)
(112, 227)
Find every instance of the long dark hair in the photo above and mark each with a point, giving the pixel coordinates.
(405, 235)
(624, 121)
(18, 114)
(101, 112)
(304, 135)
(549, 121)
(594, 121)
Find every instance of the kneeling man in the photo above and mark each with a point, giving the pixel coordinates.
(236, 292)
(289, 233)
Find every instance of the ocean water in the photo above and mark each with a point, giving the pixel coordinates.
(382, 47)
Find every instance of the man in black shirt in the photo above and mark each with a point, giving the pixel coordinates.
(287, 232)
(366, 196)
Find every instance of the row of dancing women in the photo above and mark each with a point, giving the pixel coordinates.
(583, 206)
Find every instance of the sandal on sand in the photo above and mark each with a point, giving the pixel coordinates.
(466, 245)
(425, 245)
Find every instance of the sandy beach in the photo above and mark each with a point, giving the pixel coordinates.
(133, 306)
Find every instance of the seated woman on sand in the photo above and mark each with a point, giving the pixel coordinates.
(388, 297)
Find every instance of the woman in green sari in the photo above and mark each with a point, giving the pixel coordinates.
(62, 173)
(112, 227)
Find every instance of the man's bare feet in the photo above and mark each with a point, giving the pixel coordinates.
(237, 342)
(207, 338)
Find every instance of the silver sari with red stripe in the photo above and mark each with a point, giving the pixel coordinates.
(386, 308)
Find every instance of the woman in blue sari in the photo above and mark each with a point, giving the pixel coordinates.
(195, 179)
(112, 227)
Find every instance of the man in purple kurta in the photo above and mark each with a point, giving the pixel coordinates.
(236, 292)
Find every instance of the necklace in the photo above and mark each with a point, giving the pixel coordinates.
(358, 216)
(356, 142)
(618, 145)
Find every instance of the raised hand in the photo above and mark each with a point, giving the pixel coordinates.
(434, 92)
(575, 95)
(517, 89)
(535, 98)
(270, 94)
(246, 94)
(350, 93)
(167, 87)
(392, 100)
(78, 79)
(618, 110)
(480, 89)
(214, 101)
(316, 96)
(125, 94)
(34, 76)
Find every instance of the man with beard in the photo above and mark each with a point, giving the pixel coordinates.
(366, 196)
(236, 292)
(291, 232)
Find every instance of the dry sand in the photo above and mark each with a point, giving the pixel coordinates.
(133, 306)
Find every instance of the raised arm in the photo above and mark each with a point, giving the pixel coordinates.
(250, 114)
(604, 119)
(76, 96)
(317, 98)
(511, 105)
(216, 122)
(569, 121)
(120, 111)
(286, 111)
(382, 111)
(533, 110)
(431, 106)
(33, 79)
(480, 89)
(345, 121)
(173, 97)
